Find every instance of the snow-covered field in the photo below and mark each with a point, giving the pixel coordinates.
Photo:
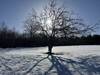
(67, 60)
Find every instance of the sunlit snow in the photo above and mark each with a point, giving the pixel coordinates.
(67, 60)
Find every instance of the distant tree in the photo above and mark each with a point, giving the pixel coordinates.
(7, 35)
(55, 21)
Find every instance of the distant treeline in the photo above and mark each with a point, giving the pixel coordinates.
(11, 38)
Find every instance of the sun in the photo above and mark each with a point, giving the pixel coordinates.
(49, 22)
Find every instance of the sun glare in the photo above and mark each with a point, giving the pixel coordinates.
(49, 22)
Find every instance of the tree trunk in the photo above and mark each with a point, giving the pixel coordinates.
(50, 44)
(50, 49)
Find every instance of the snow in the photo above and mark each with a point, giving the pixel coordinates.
(67, 60)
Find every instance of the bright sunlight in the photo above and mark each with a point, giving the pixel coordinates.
(49, 22)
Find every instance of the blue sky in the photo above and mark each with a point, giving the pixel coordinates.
(14, 12)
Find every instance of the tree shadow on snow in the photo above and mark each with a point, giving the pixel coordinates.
(89, 65)
(60, 67)
(34, 65)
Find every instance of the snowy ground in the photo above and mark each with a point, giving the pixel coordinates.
(67, 60)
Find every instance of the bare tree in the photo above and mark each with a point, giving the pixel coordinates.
(31, 24)
(55, 21)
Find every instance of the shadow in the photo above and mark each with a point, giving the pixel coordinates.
(60, 67)
(61, 53)
(33, 66)
(88, 65)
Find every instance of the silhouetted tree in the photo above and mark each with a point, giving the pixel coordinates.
(7, 36)
(55, 21)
